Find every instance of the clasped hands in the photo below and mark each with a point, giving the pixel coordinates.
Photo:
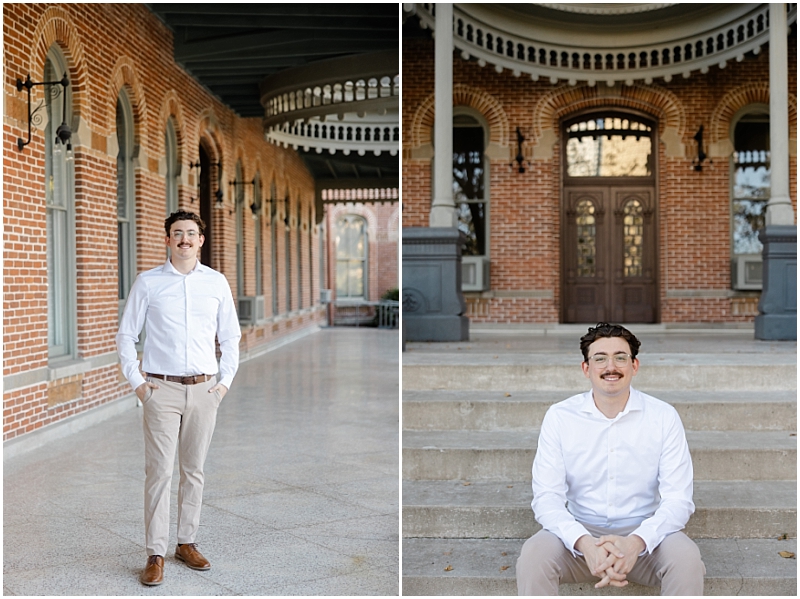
(611, 557)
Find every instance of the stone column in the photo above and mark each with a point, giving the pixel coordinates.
(433, 304)
(443, 211)
(777, 318)
(779, 207)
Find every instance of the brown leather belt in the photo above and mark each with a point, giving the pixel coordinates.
(184, 380)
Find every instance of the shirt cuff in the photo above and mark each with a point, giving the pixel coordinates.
(572, 533)
(649, 540)
(226, 381)
(136, 381)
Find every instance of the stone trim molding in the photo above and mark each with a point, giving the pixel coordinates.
(421, 137)
(720, 144)
(361, 210)
(651, 99)
(695, 45)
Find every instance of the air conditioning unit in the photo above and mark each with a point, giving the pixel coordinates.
(746, 272)
(474, 273)
(325, 296)
(251, 309)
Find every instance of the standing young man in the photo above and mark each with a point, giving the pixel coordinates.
(612, 484)
(185, 305)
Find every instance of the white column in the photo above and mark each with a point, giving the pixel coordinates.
(443, 210)
(779, 207)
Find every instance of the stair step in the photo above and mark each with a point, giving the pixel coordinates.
(500, 510)
(503, 410)
(733, 567)
(557, 371)
(508, 455)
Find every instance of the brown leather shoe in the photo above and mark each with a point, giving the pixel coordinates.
(194, 559)
(153, 574)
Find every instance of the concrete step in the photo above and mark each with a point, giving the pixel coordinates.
(511, 372)
(488, 567)
(503, 410)
(508, 455)
(500, 510)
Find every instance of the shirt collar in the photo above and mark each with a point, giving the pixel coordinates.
(170, 268)
(635, 404)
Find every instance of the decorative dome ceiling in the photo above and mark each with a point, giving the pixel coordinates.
(608, 43)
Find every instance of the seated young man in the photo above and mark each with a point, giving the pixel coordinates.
(612, 484)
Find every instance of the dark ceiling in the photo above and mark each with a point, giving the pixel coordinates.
(232, 48)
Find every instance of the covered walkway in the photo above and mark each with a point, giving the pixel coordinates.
(301, 494)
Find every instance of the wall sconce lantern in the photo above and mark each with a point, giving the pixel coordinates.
(520, 159)
(254, 208)
(63, 132)
(217, 194)
(697, 163)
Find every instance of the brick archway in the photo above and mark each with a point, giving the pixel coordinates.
(719, 141)
(124, 75)
(55, 26)
(463, 95)
(652, 100)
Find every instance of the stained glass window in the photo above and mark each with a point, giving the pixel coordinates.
(633, 224)
(587, 246)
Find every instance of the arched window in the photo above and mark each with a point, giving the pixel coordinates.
(351, 257)
(171, 147)
(126, 204)
(468, 184)
(239, 200)
(750, 191)
(273, 240)
(60, 203)
(287, 247)
(610, 146)
(299, 261)
(257, 244)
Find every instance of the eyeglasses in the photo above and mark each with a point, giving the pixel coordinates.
(189, 234)
(601, 360)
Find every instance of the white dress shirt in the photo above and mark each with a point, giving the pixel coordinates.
(632, 470)
(183, 315)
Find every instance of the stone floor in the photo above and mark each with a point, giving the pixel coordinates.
(301, 495)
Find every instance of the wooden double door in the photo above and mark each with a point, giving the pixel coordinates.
(609, 253)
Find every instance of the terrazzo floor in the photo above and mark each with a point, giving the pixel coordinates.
(301, 494)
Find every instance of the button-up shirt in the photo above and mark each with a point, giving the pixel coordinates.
(631, 470)
(183, 315)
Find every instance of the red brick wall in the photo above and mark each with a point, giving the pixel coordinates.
(693, 207)
(108, 46)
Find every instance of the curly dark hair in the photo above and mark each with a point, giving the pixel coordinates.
(184, 215)
(603, 329)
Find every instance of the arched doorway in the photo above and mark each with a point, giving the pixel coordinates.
(608, 218)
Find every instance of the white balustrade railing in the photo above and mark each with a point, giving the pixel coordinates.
(348, 93)
(490, 44)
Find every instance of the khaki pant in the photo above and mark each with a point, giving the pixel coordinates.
(674, 565)
(181, 416)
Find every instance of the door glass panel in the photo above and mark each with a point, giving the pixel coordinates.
(587, 247)
(633, 224)
(609, 147)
